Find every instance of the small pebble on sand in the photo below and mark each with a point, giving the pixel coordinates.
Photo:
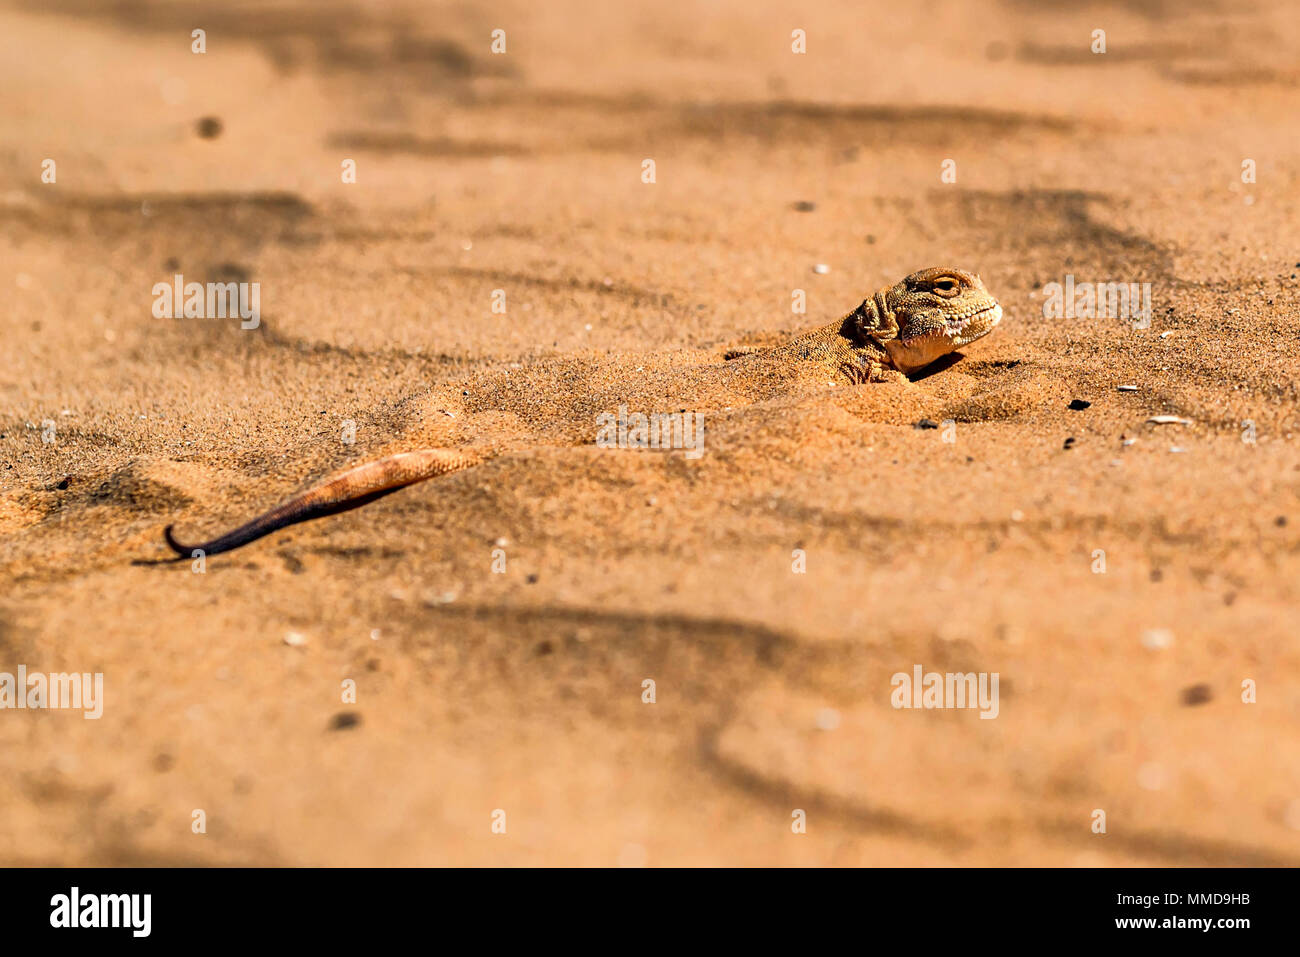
(209, 127)
(1157, 638)
(344, 720)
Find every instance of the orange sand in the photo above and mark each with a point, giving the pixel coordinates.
(521, 691)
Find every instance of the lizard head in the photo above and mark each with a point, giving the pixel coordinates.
(930, 313)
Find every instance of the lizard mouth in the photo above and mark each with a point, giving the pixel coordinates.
(916, 352)
(968, 328)
(956, 325)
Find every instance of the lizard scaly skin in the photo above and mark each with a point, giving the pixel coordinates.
(901, 329)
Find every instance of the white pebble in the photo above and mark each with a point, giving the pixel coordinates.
(828, 719)
(1157, 638)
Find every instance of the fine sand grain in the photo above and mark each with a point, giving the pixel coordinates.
(1123, 577)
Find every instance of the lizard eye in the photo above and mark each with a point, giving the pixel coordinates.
(946, 287)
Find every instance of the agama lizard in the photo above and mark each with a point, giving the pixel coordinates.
(900, 330)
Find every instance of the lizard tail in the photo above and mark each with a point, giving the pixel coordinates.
(357, 486)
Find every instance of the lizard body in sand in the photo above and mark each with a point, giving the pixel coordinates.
(899, 330)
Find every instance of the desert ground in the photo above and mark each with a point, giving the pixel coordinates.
(1133, 584)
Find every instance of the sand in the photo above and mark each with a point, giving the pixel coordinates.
(1123, 588)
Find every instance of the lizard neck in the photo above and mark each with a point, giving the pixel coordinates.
(844, 346)
(860, 353)
(872, 322)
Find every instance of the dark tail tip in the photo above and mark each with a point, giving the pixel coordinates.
(184, 551)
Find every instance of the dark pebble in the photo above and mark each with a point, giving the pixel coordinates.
(1069, 443)
(1079, 405)
(1197, 694)
(231, 272)
(209, 127)
(804, 206)
(926, 424)
(345, 719)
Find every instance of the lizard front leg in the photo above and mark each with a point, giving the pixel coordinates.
(866, 366)
(882, 373)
